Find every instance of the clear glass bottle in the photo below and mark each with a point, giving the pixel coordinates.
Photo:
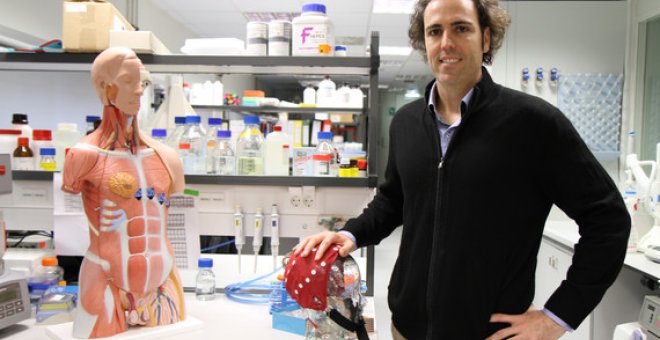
(212, 142)
(205, 283)
(23, 156)
(195, 136)
(175, 137)
(325, 158)
(47, 159)
(44, 277)
(249, 153)
(224, 158)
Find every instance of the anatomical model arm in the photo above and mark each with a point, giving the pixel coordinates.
(128, 276)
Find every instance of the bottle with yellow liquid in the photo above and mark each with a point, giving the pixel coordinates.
(249, 149)
(47, 161)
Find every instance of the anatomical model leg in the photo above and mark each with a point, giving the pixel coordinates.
(99, 311)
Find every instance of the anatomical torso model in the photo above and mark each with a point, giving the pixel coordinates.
(128, 276)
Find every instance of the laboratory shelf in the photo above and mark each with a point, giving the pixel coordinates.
(370, 182)
(180, 63)
(22, 175)
(273, 109)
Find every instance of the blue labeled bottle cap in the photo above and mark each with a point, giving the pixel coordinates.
(205, 263)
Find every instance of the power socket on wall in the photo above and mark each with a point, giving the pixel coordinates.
(309, 196)
(295, 197)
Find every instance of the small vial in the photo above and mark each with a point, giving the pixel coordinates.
(345, 169)
(205, 284)
(47, 161)
(362, 167)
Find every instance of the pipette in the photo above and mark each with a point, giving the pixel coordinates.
(239, 240)
(258, 235)
(274, 234)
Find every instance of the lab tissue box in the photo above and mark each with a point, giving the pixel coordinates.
(138, 41)
(287, 320)
(86, 25)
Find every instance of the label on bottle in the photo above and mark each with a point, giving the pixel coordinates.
(23, 163)
(250, 166)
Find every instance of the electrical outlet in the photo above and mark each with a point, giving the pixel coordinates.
(295, 197)
(308, 196)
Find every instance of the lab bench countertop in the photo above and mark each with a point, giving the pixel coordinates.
(220, 318)
(565, 233)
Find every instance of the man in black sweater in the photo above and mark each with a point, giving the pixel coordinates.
(473, 170)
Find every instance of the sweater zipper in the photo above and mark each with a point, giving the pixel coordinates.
(437, 223)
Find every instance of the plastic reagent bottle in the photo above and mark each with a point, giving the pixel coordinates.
(276, 149)
(249, 152)
(212, 142)
(311, 30)
(23, 156)
(46, 276)
(224, 159)
(205, 283)
(309, 95)
(195, 136)
(19, 121)
(325, 95)
(47, 161)
(66, 136)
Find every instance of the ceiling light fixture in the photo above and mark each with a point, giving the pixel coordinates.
(393, 6)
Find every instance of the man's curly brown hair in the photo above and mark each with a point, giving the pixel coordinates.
(490, 15)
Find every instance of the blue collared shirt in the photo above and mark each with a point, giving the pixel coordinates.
(446, 130)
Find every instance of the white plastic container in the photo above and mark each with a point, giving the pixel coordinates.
(276, 153)
(257, 38)
(325, 95)
(19, 121)
(66, 136)
(8, 139)
(311, 29)
(217, 93)
(279, 38)
(309, 95)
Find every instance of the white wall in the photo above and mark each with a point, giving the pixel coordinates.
(573, 36)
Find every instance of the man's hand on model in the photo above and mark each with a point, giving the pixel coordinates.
(531, 325)
(324, 240)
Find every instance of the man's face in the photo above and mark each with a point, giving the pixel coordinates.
(454, 43)
(130, 84)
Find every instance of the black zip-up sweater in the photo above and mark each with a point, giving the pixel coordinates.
(473, 218)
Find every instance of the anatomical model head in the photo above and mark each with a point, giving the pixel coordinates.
(119, 79)
(329, 290)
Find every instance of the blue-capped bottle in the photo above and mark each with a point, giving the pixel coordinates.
(205, 283)
(249, 153)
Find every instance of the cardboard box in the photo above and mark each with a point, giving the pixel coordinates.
(138, 41)
(86, 25)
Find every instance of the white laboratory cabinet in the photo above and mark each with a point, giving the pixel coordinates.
(622, 301)
(553, 262)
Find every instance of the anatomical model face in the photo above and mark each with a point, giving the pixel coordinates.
(128, 87)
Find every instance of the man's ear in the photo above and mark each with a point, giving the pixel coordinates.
(111, 93)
